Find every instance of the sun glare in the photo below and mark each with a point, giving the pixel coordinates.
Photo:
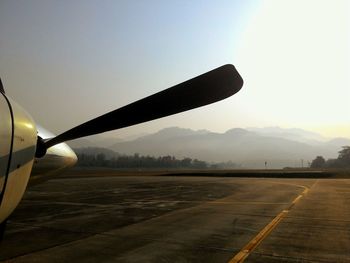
(294, 57)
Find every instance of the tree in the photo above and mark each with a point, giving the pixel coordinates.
(319, 162)
(199, 164)
(101, 158)
(186, 162)
(344, 156)
(137, 161)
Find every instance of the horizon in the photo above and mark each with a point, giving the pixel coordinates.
(245, 148)
(130, 137)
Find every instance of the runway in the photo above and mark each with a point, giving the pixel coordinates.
(181, 219)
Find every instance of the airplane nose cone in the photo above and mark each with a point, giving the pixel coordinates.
(58, 158)
(62, 151)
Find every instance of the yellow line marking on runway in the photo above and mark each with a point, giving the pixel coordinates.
(297, 199)
(252, 244)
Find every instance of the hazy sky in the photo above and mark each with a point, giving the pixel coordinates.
(69, 61)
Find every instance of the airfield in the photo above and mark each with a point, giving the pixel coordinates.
(109, 216)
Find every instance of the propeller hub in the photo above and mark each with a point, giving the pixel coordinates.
(40, 148)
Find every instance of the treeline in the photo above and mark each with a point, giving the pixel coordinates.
(137, 161)
(343, 160)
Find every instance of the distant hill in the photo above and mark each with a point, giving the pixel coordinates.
(249, 148)
(95, 151)
(294, 134)
(338, 142)
(81, 142)
(93, 141)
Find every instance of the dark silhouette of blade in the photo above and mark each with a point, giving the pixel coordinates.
(2, 90)
(210, 87)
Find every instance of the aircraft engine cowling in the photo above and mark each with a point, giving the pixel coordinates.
(57, 159)
(18, 138)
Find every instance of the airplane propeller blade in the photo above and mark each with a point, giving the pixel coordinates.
(2, 87)
(207, 88)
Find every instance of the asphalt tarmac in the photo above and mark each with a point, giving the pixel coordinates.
(181, 219)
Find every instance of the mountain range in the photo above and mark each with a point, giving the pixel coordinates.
(248, 148)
